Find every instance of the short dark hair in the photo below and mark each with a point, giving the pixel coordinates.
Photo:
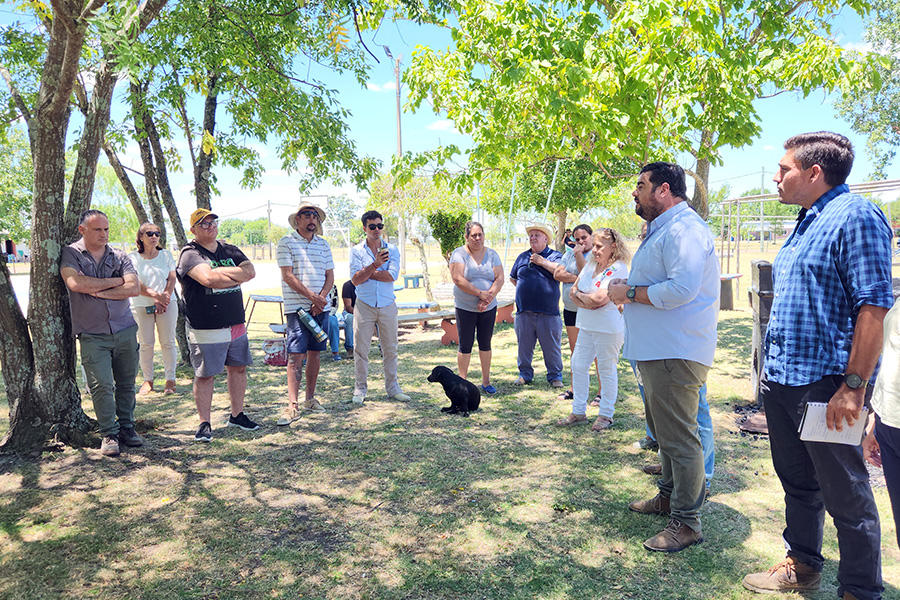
(471, 224)
(91, 212)
(370, 215)
(663, 172)
(587, 228)
(831, 151)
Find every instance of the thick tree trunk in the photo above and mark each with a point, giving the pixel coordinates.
(49, 403)
(561, 230)
(700, 201)
(96, 121)
(203, 171)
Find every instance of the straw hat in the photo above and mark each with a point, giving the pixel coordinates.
(292, 218)
(540, 227)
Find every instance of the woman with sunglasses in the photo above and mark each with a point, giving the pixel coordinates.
(154, 308)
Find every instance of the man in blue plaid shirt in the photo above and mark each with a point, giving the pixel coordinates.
(832, 289)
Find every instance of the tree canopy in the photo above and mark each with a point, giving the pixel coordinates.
(627, 79)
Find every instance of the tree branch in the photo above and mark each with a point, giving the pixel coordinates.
(16, 96)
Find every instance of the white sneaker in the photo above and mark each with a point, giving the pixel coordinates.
(358, 399)
(401, 397)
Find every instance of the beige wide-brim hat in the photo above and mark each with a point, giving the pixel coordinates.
(292, 219)
(540, 227)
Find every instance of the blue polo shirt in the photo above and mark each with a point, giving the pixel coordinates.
(837, 260)
(536, 290)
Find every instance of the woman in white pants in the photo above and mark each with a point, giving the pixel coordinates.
(153, 309)
(601, 328)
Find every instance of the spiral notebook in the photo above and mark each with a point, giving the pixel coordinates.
(814, 429)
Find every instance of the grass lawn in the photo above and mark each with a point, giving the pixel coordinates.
(395, 500)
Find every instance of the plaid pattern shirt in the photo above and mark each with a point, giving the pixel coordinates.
(837, 260)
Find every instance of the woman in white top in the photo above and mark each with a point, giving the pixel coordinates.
(601, 328)
(154, 308)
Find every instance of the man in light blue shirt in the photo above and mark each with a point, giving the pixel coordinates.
(374, 267)
(671, 301)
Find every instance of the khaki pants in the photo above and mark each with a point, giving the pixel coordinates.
(672, 388)
(365, 319)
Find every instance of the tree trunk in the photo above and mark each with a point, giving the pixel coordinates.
(162, 180)
(561, 230)
(96, 121)
(125, 182)
(700, 201)
(48, 401)
(425, 276)
(203, 172)
(139, 110)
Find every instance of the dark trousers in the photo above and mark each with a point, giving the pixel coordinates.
(888, 439)
(816, 477)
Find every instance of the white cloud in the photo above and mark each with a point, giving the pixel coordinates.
(442, 125)
(768, 148)
(861, 47)
(390, 86)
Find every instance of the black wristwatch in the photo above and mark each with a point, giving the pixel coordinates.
(854, 381)
(631, 293)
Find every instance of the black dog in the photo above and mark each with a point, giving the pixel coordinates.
(464, 396)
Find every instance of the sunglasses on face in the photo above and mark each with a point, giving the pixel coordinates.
(208, 224)
(374, 226)
(308, 213)
(152, 233)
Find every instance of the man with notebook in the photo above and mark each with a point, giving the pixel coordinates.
(832, 289)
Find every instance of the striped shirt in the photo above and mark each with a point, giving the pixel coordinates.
(837, 260)
(309, 261)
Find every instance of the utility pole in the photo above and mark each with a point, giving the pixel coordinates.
(762, 189)
(269, 226)
(401, 226)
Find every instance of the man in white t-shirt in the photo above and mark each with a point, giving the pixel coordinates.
(307, 276)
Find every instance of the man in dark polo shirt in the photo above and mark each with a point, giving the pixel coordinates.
(211, 273)
(100, 280)
(537, 303)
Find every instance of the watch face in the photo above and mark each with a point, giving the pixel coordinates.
(630, 294)
(853, 381)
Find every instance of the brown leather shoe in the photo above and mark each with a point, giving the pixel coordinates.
(675, 537)
(790, 575)
(657, 505)
(652, 469)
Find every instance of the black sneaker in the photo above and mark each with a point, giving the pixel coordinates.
(129, 437)
(110, 445)
(204, 434)
(243, 422)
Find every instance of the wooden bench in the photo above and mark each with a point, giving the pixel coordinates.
(726, 293)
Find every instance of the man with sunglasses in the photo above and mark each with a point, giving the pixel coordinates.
(211, 273)
(374, 267)
(307, 276)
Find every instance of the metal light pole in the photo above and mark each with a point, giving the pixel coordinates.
(401, 226)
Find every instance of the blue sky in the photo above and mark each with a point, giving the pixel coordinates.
(373, 127)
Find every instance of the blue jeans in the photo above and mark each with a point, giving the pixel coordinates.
(704, 426)
(348, 331)
(818, 476)
(532, 327)
(334, 334)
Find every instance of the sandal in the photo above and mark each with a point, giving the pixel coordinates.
(566, 395)
(596, 400)
(571, 420)
(601, 423)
